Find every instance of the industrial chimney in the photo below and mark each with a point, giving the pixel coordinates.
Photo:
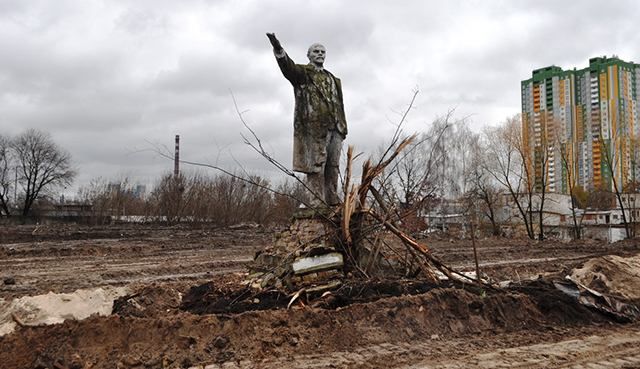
(176, 158)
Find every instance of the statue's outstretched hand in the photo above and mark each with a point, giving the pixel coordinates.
(274, 41)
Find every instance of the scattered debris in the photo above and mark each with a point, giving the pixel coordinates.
(608, 305)
(294, 298)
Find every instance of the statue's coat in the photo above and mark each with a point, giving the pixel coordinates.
(318, 109)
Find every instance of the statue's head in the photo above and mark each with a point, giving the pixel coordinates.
(316, 54)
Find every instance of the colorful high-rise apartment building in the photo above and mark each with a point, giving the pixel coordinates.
(581, 127)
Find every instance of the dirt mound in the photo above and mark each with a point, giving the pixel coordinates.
(614, 275)
(185, 339)
(151, 301)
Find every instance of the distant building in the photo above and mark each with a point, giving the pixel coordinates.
(66, 211)
(587, 116)
(139, 191)
(445, 214)
(114, 187)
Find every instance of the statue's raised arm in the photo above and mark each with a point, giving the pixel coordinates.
(291, 71)
(274, 42)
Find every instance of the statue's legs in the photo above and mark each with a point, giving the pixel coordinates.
(315, 184)
(324, 184)
(332, 168)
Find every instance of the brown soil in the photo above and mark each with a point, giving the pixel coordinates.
(191, 309)
(50, 259)
(186, 339)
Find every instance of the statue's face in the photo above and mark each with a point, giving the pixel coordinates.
(316, 54)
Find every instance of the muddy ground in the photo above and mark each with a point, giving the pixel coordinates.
(174, 319)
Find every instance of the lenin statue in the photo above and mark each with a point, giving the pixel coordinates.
(319, 123)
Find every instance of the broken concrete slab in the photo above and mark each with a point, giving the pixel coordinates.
(54, 308)
(317, 263)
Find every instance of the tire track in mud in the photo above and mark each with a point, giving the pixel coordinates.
(90, 264)
(618, 349)
(65, 276)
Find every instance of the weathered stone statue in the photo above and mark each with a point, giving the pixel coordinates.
(319, 122)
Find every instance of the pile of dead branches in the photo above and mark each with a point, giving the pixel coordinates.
(364, 212)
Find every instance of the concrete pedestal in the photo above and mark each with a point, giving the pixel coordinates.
(307, 254)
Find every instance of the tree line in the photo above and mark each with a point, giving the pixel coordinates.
(482, 170)
(495, 169)
(194, 197)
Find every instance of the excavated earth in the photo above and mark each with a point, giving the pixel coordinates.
(186, 306)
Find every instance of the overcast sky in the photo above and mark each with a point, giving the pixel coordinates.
(111, 80)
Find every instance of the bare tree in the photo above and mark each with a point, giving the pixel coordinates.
(418, 176)
(95, 193)
(568, 157)
(482, 186)
(112, 198)
(509, 168)
(172, 195)
(414, 178)
(462, 152)
(221, 199)
(541, 157)
(238, 201)
(5, 180)
(285, 205)
(42, 165)
(611, 163)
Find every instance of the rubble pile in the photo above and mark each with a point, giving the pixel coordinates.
(303, 256)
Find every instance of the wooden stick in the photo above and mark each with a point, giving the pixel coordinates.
(475, 251)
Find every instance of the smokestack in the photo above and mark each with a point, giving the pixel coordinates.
(176, 158)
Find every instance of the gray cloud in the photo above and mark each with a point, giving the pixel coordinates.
(112, 80)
